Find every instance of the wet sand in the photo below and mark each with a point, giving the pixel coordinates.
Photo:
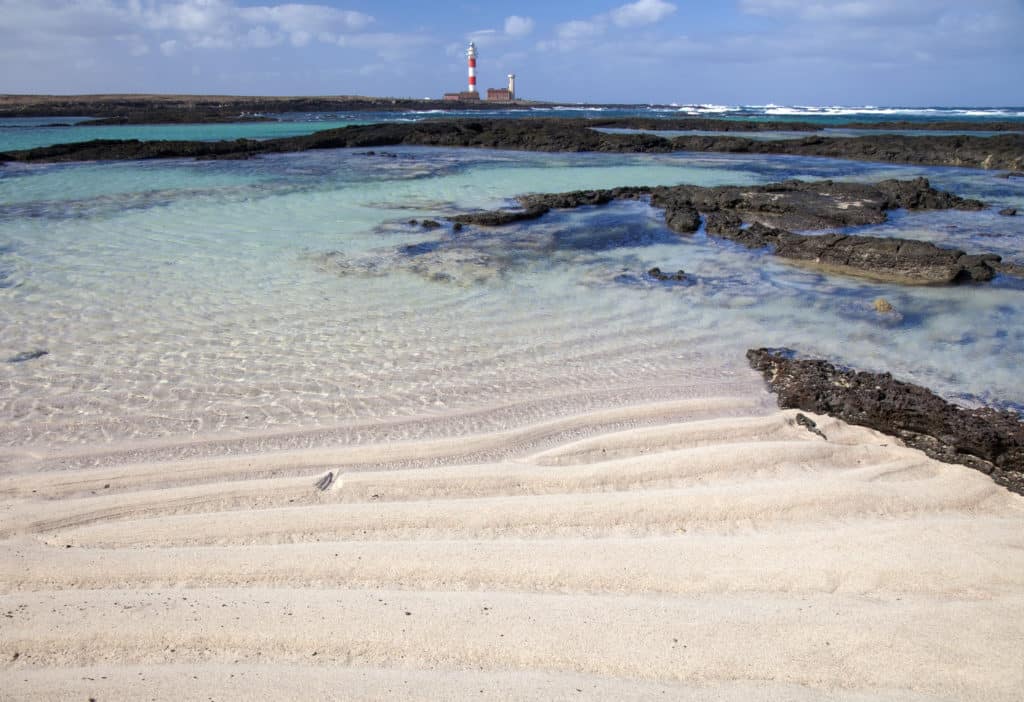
(697, 549)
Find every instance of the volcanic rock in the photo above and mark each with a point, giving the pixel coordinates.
(985, 439)
(1005, 151)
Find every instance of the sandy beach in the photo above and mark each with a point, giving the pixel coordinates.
(708, 548)
(634, 350)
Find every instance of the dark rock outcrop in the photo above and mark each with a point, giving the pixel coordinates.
(1008, 212)
(1005, 151)
(798, 205)
(984, 439)
(497, 218)
(893, 260)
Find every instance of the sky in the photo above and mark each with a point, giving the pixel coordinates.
(732, 52)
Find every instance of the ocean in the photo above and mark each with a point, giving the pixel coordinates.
(179, 299)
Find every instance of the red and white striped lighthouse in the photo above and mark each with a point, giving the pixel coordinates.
(471, 55)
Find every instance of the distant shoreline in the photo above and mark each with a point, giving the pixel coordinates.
(139, 108)
(200, 106)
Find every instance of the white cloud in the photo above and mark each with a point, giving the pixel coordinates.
(516, 26)
(389, 46)
(224, 24)
(262, 38)
(169, 47)
(578, 33)
(574, 34)
(887, 11)
(577, 30)
(642, 12)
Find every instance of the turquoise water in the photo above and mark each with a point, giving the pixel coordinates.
(26, 133)
(15, 134)
(182, 298)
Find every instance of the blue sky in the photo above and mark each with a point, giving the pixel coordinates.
(849, 52)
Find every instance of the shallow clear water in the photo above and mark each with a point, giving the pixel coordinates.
(181, 298)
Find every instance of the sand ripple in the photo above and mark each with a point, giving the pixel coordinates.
(688, 550)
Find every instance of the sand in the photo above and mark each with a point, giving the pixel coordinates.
(702, 549)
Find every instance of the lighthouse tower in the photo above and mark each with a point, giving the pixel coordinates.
(471, 56)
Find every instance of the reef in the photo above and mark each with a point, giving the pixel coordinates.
(1004, 151)
(761, 217)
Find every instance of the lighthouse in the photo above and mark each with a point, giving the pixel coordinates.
(471, 57)
(471, 94)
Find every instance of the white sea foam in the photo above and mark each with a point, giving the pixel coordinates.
(775, 110)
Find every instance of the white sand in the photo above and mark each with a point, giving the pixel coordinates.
(708, 552)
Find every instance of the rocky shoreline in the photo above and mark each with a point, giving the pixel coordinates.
(984, 439)
(759, 217)
(1002, 152)
(204, 107)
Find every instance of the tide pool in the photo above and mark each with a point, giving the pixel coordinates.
(181, 298)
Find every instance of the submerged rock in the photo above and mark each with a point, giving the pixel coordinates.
(985, 439)
(659, 275)
(28, 356)
(497, 218)
(1008, 212)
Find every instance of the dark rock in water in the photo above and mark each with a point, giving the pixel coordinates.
(421, 248)
(1012, 174)
(893, 260)
(581, 198)
(497, 218)
(1008, 212)
(897, 260)
(27, 356)
(457, 227)
(658, 274)
(918, 194)
(985, 439)
(413, 222)
(680, 216)
(722, 222)
(1005, 152)
(798, 205)
(430, 224)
